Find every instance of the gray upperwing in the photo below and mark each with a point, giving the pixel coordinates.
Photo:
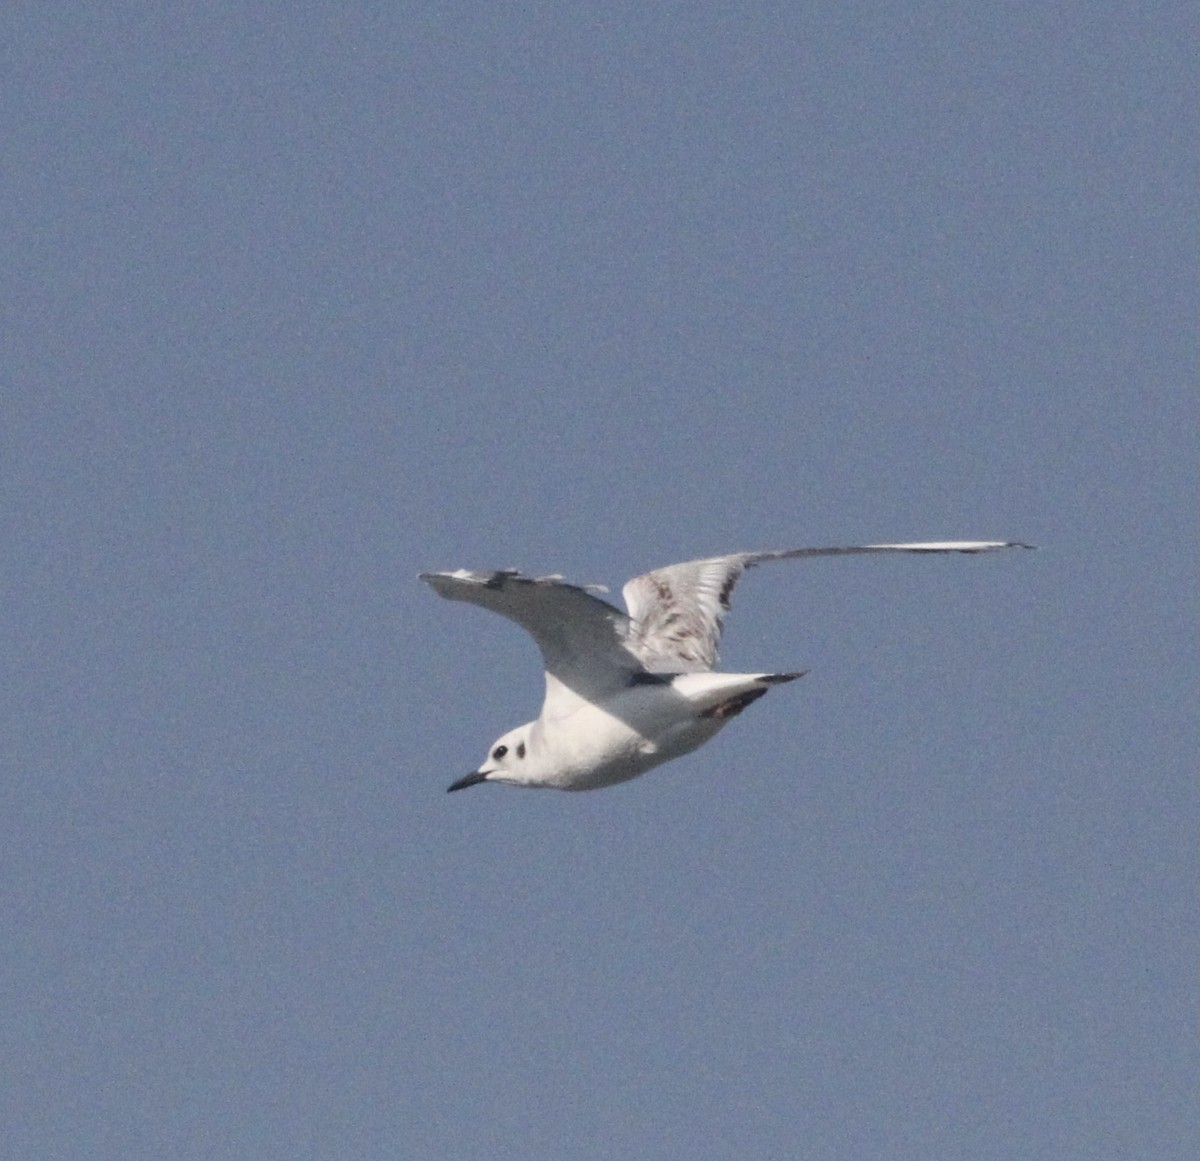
(582, 638)
(677, 612)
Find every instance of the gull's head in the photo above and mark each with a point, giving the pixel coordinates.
(506, 761)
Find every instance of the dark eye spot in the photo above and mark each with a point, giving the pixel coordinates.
(521, 750)
(499, 752)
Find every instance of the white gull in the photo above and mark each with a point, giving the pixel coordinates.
(627, 692)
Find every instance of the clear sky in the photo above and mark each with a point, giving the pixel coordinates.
(299, 300)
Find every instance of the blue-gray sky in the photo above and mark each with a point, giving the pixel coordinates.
(302, 299)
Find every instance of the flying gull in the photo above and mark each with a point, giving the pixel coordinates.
(626, 692)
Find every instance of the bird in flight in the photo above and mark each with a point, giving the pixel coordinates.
(626, 692)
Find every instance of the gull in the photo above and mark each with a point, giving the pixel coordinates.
(626, 692)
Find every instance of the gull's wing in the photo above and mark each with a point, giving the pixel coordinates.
(676, 612)
(582, 638)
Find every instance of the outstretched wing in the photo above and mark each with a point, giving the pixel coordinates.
(677, 611)
(583, 639)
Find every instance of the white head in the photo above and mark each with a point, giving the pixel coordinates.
(506, 760)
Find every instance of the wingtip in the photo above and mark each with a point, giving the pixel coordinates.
(969, 547)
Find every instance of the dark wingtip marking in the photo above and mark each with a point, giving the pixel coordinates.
(500, 576)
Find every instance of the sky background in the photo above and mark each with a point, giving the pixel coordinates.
(299, 300)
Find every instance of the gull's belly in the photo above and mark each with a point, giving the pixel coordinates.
(597, 747)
